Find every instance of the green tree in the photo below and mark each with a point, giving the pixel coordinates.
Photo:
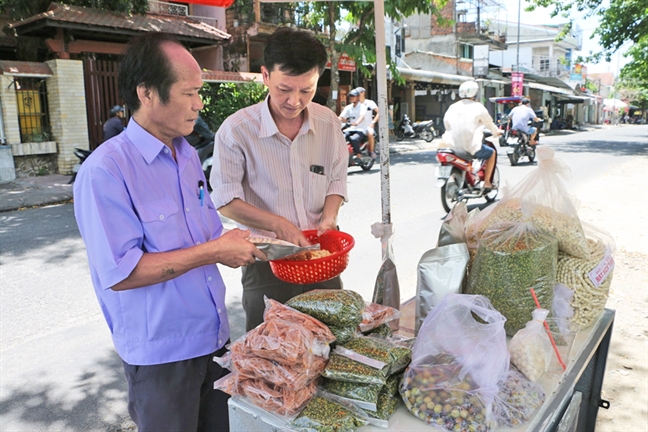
(224, 99)
(360, 42)
(620, 22)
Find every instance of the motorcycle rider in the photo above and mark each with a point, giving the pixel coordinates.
(464, 122)
(114, 125)
(520, 116)
(371, 118)
(354, 112)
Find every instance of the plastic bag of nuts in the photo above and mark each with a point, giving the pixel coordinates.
(590, 279)
(530, 347)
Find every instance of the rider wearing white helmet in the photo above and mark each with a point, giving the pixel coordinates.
(464, 123)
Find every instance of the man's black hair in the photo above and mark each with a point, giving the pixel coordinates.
(294, 52)
(145, 63)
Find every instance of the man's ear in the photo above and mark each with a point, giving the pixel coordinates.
(145, 95)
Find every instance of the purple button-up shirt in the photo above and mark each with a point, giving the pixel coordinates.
(132, 197)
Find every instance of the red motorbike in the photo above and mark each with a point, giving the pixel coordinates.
(460, 176)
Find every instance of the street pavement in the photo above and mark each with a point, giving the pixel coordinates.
(51, 189)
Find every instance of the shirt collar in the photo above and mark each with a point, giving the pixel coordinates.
(269, 127)
(149, 146)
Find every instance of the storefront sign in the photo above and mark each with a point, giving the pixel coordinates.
(345, 64)
(480, 60)
(517, 83)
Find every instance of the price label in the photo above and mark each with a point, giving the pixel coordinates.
(603, 269)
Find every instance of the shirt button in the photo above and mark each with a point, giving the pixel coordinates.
(166, 150)
(187, 209)
(220, 341)
(197, 242)
(219, 311)
(161, 217)
(210, 278)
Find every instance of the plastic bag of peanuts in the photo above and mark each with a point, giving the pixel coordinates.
(554, 209)
(589, 279)
(530, 347)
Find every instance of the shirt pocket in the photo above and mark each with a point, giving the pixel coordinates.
(160, 224)
(317, 187)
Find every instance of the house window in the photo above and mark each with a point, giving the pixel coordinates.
(33, 117)
(466, 51)
(544, 65)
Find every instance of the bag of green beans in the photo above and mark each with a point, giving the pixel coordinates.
(341, 368)
(394, 356)
(513, 257)
(334, 307)
(343, 334)
(328, 413)
(387, 405)
(363, 395)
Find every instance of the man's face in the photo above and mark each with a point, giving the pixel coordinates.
(289, 94)
(178, 116)
(353, 100)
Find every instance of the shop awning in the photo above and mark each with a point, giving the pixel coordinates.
(550, 89)
(432, 77)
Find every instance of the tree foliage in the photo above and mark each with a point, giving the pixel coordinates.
(21, 9)
(224, 99)
(620, 22)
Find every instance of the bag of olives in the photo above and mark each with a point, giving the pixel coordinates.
(459, 357)
(512, 258)
(517, 400)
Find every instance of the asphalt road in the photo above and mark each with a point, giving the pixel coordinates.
(58, 368)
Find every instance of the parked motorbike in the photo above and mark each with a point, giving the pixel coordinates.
(365, 161)
(202, 139)
(460, 175)
(504, 125)
(82, 154)
(423, 129)
(521, 148)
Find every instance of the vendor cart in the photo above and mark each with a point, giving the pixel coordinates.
(572, 400)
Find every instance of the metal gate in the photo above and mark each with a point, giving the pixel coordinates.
(101, 94)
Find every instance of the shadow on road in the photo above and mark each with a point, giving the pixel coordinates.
(630, 146)
(41, 404)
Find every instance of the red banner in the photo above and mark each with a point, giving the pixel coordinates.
(218, 3)
(345, 63)
(517, 83)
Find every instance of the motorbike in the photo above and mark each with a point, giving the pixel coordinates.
(365, 162)
(460, 175)
(82, 154)
(521, 147)
(202, 139)
(406, 129)
(504, 125)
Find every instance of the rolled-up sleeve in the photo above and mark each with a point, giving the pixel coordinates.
(108, 224)
(228, 168)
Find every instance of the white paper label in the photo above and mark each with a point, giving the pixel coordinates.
(602, 270)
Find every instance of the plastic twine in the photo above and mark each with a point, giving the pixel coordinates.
(553, 343)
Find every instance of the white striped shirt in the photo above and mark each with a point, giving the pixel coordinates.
(253, 161)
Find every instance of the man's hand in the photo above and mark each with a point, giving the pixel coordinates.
(325, 225)
(287, 231)
(234, 250)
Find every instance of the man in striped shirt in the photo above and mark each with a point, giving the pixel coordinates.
(280, 166)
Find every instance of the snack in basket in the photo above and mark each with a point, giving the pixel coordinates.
(334, 307)
(277, 310)
(309, 255)
(284, 401)
(325, 415)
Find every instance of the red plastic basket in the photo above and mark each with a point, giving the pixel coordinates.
(321, 269)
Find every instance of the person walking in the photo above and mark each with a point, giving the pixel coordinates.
(280, 166)
(152, 237)
(114, 125)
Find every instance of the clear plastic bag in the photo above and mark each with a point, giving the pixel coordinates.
(459, 357)
(530, 347)
(517, 400)
(275, 309)
(363, 395)
(339, 308)
(563, 295)
(376, 314)
(392, 356)
(328, 413)
(553, 208)
(341, 368)
(512, 258)
(284, 401)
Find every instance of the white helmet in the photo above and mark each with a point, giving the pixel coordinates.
(468, 89)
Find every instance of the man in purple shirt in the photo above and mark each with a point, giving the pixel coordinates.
(153, 237)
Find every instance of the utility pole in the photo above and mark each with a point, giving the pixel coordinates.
(517, 67)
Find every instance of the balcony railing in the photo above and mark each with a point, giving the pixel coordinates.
(164, 8)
